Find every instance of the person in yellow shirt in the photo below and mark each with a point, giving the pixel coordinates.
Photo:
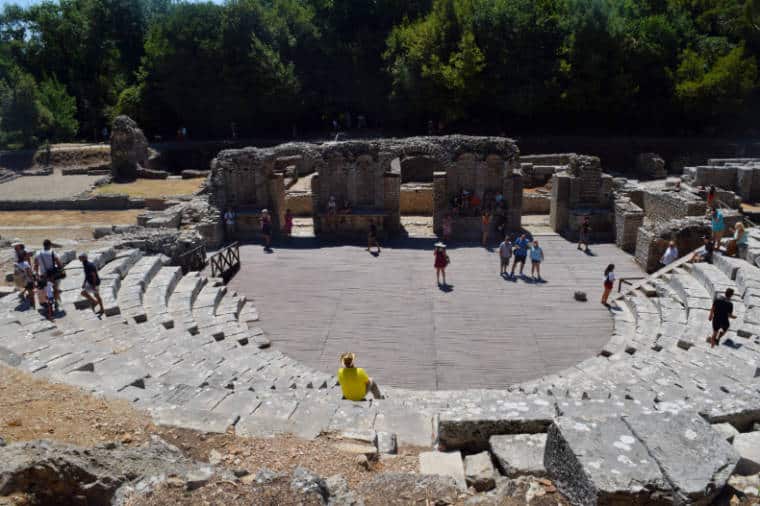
(354, 381)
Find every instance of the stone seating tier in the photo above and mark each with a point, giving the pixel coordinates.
(191, 353)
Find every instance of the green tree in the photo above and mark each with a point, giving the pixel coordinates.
(62, 108)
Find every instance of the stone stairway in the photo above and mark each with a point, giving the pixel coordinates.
(190, 352)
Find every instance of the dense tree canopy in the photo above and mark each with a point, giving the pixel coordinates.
(267, 66)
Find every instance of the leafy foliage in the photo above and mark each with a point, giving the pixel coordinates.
(647, 66)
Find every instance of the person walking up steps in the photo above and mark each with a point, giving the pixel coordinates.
(91, 283)
(48, 265)
(505, 253)
(721, 312)
(521, 252)
(354, 381)
(609, 283)
(536, 257)
(441, 262)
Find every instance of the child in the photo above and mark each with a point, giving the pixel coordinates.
(536, 257)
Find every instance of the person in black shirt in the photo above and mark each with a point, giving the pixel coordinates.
(91, 284)
(372, 236)
(722, 310)
(705, 254)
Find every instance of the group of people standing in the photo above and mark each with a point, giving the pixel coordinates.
(38, 277)
(520, 248)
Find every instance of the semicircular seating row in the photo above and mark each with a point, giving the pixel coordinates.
(190, 352)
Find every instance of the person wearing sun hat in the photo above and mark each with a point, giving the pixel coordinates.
(441, 261)
(354, 381)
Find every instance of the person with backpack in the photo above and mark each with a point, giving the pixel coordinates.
(24, 277)
(441, 262)
(47, 264)
(91, 284)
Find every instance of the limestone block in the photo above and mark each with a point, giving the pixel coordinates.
(748, 447)
(444, 464)
(726, 430)
(479, 471)
(466, 427)
(519, 454)
(693, 457)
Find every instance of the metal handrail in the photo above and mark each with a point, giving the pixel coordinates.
(193, 260)
(226, 262)
(628, 281)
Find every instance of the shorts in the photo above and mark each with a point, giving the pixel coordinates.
(608, 285)
(505, 261)
(720, 325)
(29, 285)
(266, 229)
(535, 262)
(89, 288)
(520, 259)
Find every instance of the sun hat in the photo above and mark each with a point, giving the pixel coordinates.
(265, 211)
(439, 245)
(347, 358)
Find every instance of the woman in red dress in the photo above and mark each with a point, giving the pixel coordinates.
(441, 261)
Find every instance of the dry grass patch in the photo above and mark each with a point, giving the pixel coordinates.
(153, 188)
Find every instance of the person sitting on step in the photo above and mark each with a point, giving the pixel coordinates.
(354, 381)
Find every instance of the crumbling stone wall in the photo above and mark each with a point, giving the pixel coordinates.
(367, 173)
(652, 239)
(663, 206)
(628, 218)
(129, 149)
(582, 191)
(740, 175)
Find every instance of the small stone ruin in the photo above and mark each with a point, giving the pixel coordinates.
(581, 191)
(129, 149)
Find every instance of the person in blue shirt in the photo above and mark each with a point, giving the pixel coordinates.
(718, 226)
(521, 252)
(536, 257)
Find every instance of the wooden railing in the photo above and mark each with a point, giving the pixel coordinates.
(226, 262)
(193, 260)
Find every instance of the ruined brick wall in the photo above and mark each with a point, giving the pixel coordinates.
(663, 206)
(653, 239)
(628, 218)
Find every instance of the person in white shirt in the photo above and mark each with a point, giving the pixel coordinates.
(670, 255)
(505, 253)
(24, 278)
(47, 264)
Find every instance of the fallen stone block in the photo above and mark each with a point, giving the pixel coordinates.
(479, 471)
(471, 427)
(601, 462)
(727, 430)
(748, 447)
(444, 464)
(694, 459)
(519, 454)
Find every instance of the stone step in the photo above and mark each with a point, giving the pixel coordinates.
(159, 291)
(134, 284)
(183, 297)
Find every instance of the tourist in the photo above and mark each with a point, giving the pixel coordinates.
(48, 264)
(521, 252)
(229, 223)
(711, 197)
(372, 236)
(505, 253)
(24, 279)
(266, 229)
(354, 381)
(485, 223)
(584, 233)
(332, 205)
(19, 251)
(721, 312)
(447, 224)
(46, 296)
(536, 257)
(19, 257)
(441, 262)
(718, 226)
(91, 283)
(705, 253)
(609, 283)
(670, 255)
(738, 245)
(288, 228)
